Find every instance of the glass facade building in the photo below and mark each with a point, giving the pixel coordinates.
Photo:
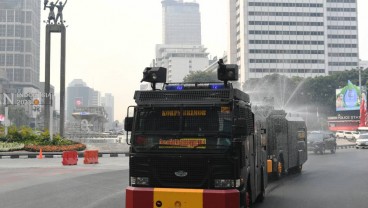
(20, 42)
(181, 22)
(181, 51)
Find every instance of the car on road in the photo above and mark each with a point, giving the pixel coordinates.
(349, 135)
(340, 134)
(319, 142)
(362, 141)
(356, 135)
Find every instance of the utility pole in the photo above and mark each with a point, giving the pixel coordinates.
(360, 79)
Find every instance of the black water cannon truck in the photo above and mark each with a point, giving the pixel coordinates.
(193, 145)
(284, 138)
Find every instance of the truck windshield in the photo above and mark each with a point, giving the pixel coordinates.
(183, 129)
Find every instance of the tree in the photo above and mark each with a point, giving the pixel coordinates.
(201, 76)
(17, 115)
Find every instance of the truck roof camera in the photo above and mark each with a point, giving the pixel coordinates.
(154, 75)
(227, 72)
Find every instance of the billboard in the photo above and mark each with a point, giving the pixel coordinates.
(349, 97)
(78, 102)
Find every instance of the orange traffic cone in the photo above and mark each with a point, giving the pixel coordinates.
(40, 155)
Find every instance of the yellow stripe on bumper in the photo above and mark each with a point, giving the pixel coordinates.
(177, 198)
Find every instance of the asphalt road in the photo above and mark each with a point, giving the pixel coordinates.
(330, 180)
(327, 181)
(33, 183)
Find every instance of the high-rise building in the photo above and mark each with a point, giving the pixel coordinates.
(78, 95)
(181, 22)
(96, 99)
(293, 37)
(108, 104)
(181, 51)
(20, 43)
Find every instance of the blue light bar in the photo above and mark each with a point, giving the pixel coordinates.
(175, 87)
(216, 86)
(194, 86)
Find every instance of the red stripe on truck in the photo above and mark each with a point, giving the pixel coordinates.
(139, 197)
(221, 198)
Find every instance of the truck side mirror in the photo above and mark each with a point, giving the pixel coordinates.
(240, 127)
(128, 123)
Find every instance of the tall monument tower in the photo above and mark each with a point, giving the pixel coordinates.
(55, 24)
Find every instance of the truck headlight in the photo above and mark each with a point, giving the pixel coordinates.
(225, 183)
(142, 181)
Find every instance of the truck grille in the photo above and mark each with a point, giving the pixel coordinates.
(196, 170)
(200, 172)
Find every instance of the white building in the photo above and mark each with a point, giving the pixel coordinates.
(181, 51)
(293, 37)
(179, 60)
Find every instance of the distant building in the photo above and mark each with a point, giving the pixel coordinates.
(78, 95)
(293, 37)
(181, 51)
(180, 60)
(20, 43)
(181, 23)
(95, 99)
(108, 104)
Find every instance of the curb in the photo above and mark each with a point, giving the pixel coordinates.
(32, 155)
(346, 146)
(29, 155)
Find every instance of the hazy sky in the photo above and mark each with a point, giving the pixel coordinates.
(110, 42)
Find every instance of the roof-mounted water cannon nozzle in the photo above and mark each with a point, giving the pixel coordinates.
(154, 75)
(227, 72)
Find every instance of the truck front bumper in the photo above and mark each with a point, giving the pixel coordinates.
(181, 198)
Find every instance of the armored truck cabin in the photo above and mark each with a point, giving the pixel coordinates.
(193, 145)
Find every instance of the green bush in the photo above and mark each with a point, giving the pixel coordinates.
(5, 146)
(55, 148)
(13, 134)
(29, 138)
